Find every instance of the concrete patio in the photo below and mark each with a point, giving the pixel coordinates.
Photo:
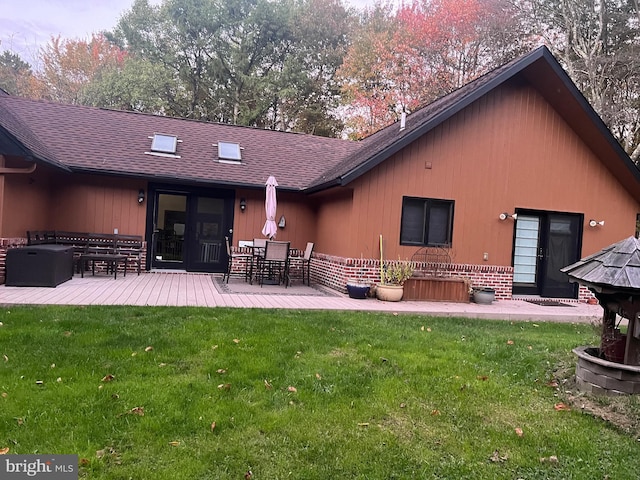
(206, 290)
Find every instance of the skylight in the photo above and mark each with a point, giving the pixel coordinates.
(229, 151)
(164, 143)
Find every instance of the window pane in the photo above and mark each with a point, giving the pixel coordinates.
(412, 228)
(439, 221)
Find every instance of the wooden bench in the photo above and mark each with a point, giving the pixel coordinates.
(109, 249)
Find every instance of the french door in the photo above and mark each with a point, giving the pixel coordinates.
(544, 243)
(188, 229)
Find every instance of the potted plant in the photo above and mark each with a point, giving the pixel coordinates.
(484, 295)
(357, 287)
(392, 276)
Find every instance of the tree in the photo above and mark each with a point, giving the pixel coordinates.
(16, 77)
(252, 62)
(70, 65)
(424, 51)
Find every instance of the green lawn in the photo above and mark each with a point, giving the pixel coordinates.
(306, 395)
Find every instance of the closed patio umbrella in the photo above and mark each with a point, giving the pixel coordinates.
(270, 204)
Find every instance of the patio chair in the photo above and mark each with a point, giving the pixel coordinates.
(258, 246)
(236, 256)
(301, 263)
(306, 262)
(275, 263)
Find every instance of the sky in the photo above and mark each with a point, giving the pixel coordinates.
(27, 25)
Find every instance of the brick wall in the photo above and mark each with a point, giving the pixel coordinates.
(334, 272)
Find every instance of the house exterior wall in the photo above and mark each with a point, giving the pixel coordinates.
(299, 213)
(508, 150)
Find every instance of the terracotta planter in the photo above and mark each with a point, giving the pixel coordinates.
(389, 293)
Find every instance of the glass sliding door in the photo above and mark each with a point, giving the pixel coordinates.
(170, 224)
(188, 228)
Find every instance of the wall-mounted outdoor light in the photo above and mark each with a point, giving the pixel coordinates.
(595, 223)
(282, 222)
(505, 215)
(243, 204)
(140, 196)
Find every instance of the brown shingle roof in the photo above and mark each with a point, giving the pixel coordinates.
(87, 139)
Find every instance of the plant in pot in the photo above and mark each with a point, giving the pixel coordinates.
(484, 295)
(392, 276)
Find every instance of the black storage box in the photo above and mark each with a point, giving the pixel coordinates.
(39, 265)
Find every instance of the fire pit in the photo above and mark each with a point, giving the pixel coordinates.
(613, 275)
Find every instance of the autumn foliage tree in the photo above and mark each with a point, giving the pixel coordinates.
(424, 50)
(69, 66)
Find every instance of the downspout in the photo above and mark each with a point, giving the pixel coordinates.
(26, 170)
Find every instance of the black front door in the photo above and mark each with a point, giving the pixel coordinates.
(544, 243)
(188, 229)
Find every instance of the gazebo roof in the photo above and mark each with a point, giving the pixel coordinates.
(615, 266)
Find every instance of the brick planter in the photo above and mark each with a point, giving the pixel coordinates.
(602, 377)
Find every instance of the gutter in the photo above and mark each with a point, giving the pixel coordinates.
(26, 170)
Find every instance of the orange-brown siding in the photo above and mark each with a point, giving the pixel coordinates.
(51, 200)
(300, 224)
(508, 150)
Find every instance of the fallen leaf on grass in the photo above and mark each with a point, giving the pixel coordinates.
(59, 379)
(236, 340)
(551, 459)
(6, 359)
(39, 382)
(509, 342)
(213, 426)
(363, 424)
(20, 421)
(561, 407)
(519, 432)
(552, 384)
(497, 458)
(4, 451)
(435, 412)
(174, 444)
(107, 378)
(148, 349)
(221, 371)
(137, 411)
(5, 394)
(318, 376)
(224, 386)
(84, 462)
(67, 334)
(484, 378)
(292, 389)
(267, 385)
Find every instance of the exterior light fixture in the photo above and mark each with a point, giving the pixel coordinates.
(243, 205)
(594, 223)
(505, 215)
(141, 196)
(282, 222)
